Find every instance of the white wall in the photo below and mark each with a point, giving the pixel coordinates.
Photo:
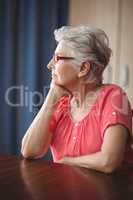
(115, 18)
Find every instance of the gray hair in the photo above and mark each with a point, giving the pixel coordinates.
(89, 44)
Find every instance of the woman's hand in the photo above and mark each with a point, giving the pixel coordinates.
(58, 90)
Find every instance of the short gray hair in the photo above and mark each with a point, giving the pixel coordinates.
(89, 44)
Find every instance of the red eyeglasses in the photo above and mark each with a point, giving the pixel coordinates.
(56, 58)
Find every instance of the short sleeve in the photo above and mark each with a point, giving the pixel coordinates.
(53, 122)
(61, 105)
(116, 109)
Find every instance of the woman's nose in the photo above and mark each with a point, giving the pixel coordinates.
(50, 64)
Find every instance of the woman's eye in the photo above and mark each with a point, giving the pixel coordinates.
(57, 58)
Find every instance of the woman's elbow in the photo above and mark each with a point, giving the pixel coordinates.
(109, 167)
(26, 153)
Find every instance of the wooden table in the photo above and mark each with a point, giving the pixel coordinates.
(21, 179)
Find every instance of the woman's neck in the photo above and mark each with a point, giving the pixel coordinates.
(83, 93)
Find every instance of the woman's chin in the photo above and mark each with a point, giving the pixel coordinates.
(59, 82)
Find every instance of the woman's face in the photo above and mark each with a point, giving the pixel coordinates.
(64, 71)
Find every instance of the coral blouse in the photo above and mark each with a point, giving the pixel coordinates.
(86, 136)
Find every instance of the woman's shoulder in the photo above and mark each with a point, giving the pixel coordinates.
(112, 93)
(112, 89)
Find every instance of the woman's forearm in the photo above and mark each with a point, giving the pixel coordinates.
(97, 161)
(38, 136)
(110, 155)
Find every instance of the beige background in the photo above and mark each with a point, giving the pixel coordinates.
(115, 17)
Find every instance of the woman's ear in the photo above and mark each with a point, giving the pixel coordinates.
(85, 68)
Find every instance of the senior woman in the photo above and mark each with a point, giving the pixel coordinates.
(86, 123)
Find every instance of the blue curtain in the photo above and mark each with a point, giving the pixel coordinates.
(26, 45)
